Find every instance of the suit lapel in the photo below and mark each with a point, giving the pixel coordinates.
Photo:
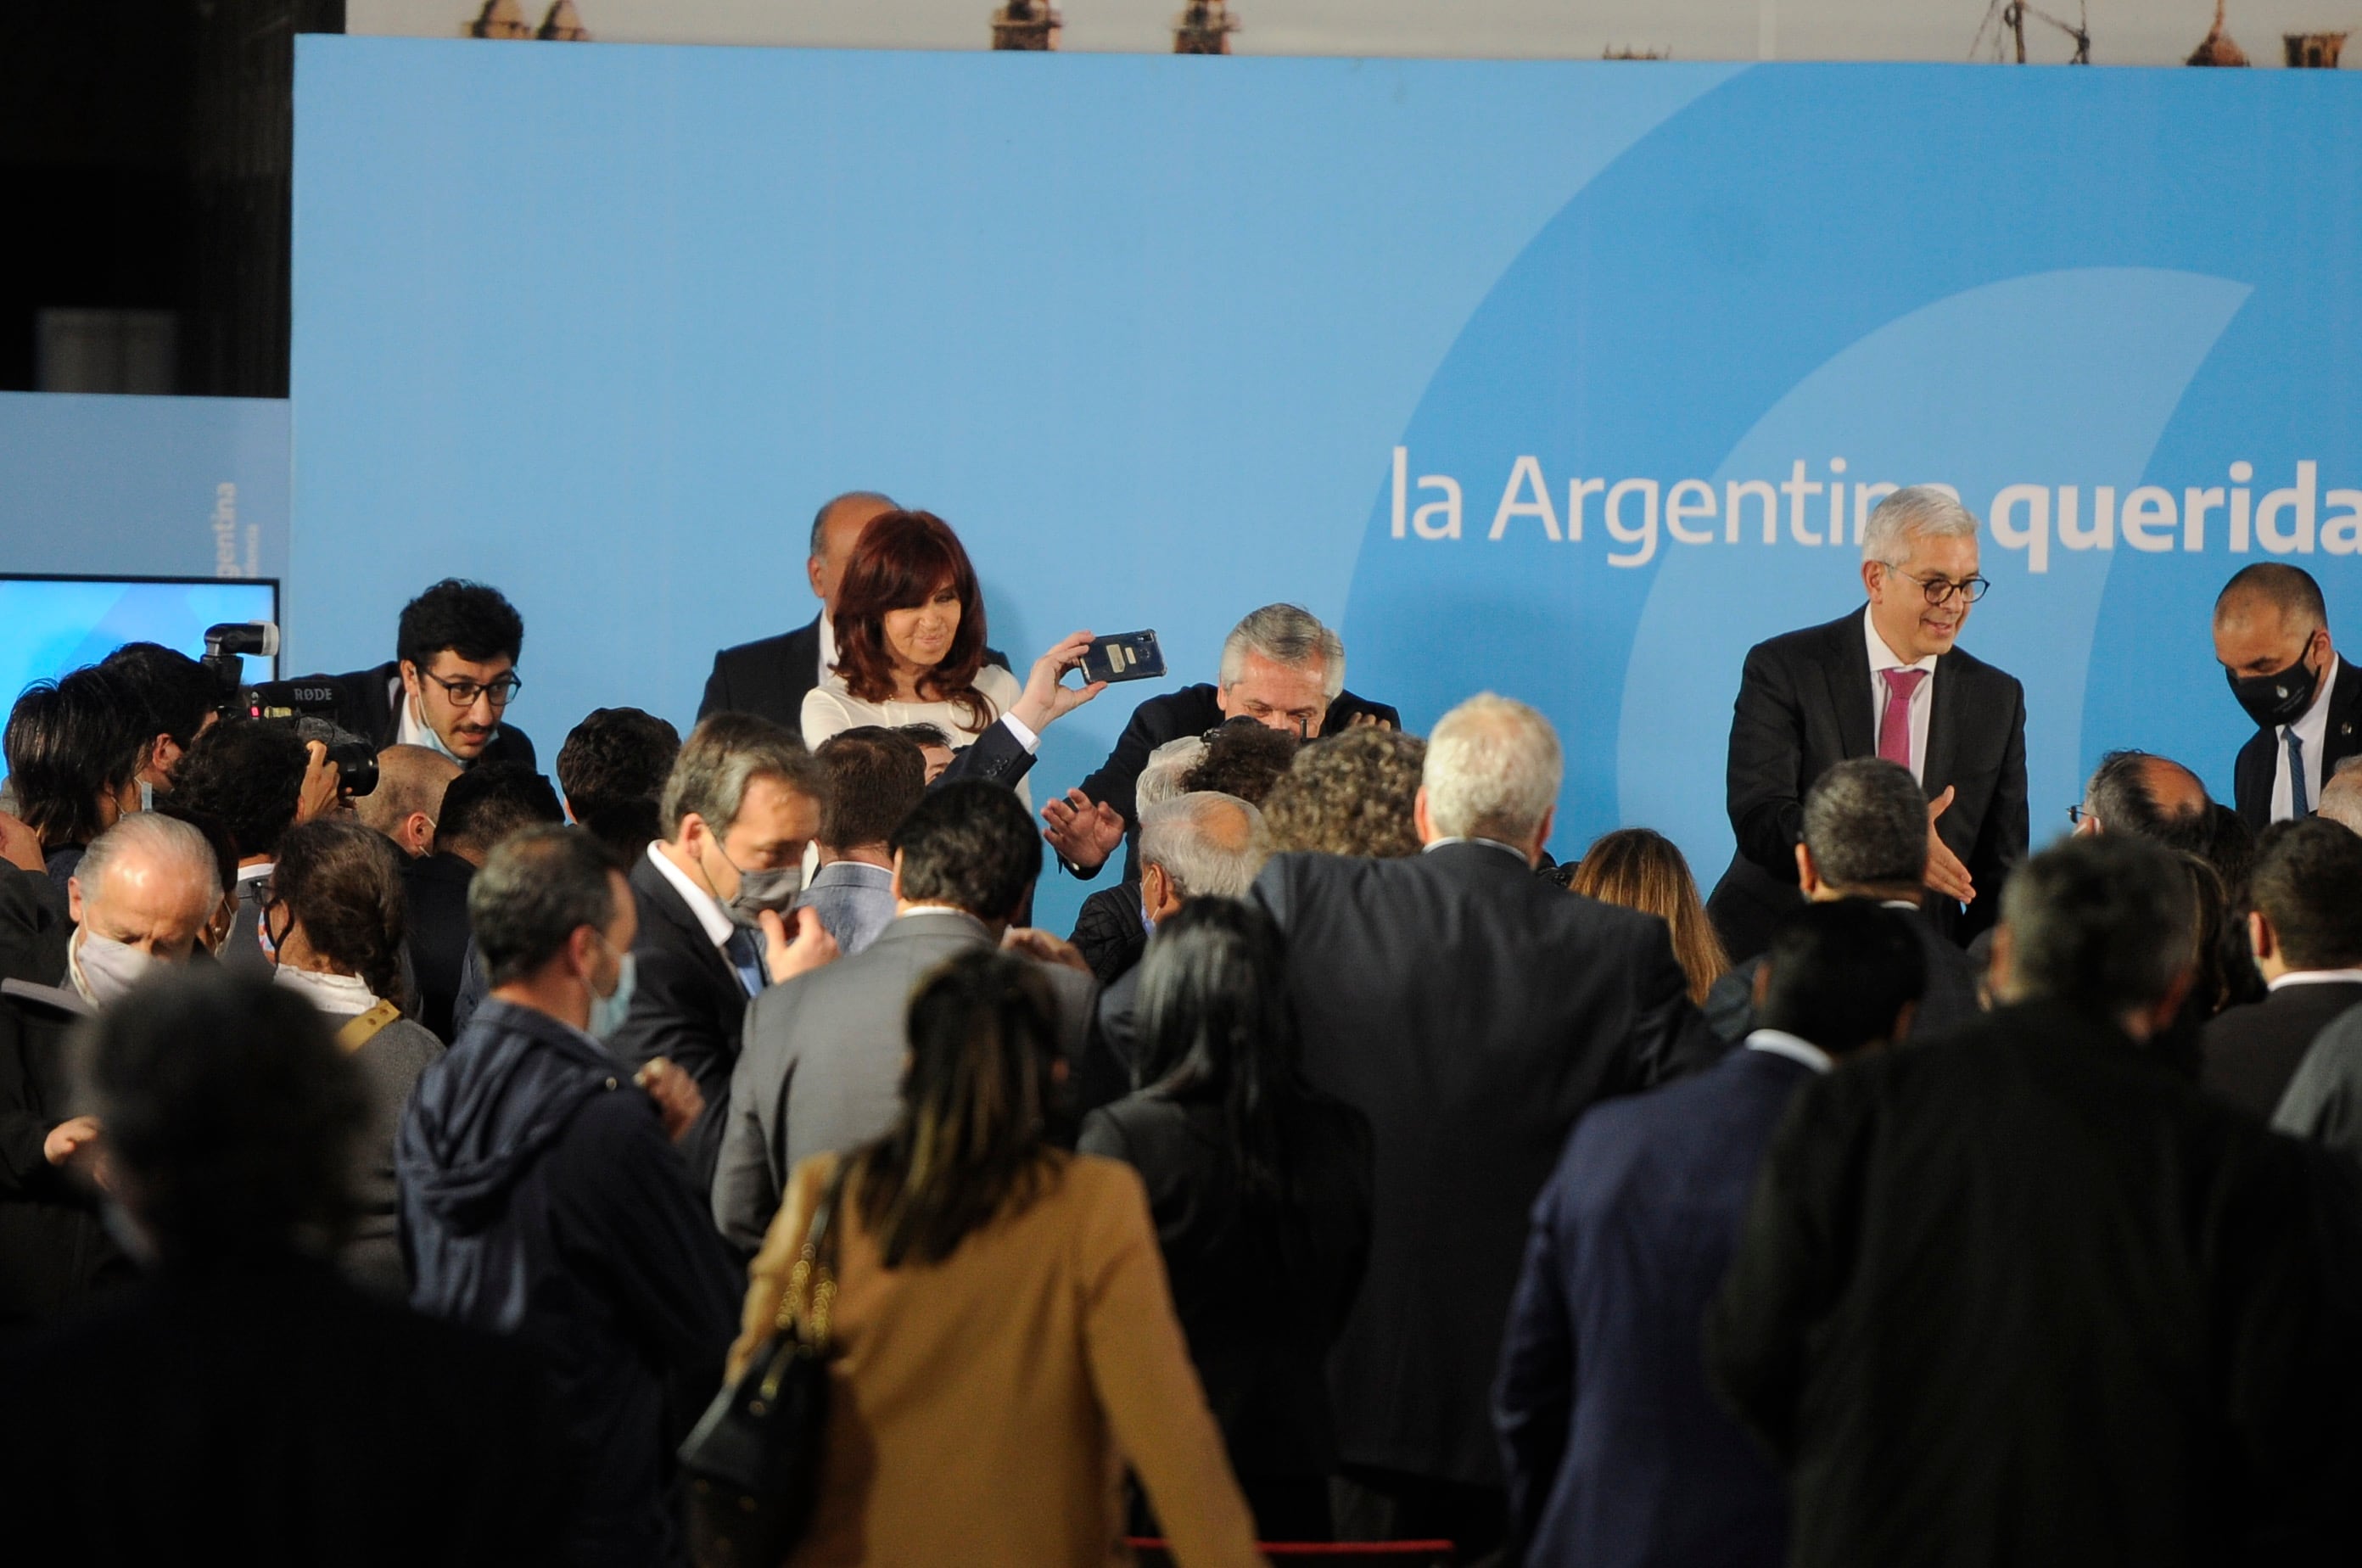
(669, 903)
(1847, 674)
(1942, 727)
(2344, 736)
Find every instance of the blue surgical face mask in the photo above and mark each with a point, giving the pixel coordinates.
(607, 1012)
(1148, 920)
(147, 796)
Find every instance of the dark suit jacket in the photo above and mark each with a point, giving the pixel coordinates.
(1949, 1001)
(53, 1252)
(771, 675)
(1471, 1012)
(435, 894)
(687, 1004)
(2252, 1051)
(1261, 1289)
(2028, 1295)
(1616, 1451)
(1192, 711)
(821, 1067)
(2259, 761)
(366, 706)
(34, 929)
(1803, 705)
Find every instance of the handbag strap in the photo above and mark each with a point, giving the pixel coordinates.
(811, 1283)
(362, 1027)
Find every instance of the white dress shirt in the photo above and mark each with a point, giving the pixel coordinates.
(1922, 702)
(827, 644)
(712, 918)
(2312, 729)
(2318, 977)
(1782, 1044)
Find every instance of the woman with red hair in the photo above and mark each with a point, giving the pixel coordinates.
(910, 639)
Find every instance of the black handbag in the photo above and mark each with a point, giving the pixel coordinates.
(752, 1460)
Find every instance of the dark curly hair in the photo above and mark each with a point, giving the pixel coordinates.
(1243, 757)
(969, 844)
(343, 883)
(246, 774)
(1349, 794)
(178, 691)
(230, 1115)
(70, 742)
(902, 558)
(613, 769)
(472, 620)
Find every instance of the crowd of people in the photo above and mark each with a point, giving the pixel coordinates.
(396, 1169)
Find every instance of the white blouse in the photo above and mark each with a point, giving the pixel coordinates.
(831, 708)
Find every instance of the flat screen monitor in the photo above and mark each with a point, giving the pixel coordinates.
(51, 624)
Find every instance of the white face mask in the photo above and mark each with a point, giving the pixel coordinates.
(342, 995)
(103, 968)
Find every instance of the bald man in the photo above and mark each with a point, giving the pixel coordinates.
(2150, 796)
(770, 676)
(2271, 636)
(2341, 798)
(408, 800)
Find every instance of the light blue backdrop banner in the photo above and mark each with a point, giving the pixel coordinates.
(1567, 379)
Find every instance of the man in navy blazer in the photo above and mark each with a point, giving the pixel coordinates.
(1615, 1452)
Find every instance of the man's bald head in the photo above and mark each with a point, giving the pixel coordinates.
(836, 529)
(2341, 797)
(1206, 844)
(2142, 795)
(2269, 616)
(150, 882)
(408, 800)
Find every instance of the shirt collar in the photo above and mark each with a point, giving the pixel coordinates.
(1884, 658)
(257, 872)
(711, 916)
(1781, 1044)
(2319, 978)
(934, 910)
(1434, 845)
(851, 873)
(827, 644)
(2313, 725)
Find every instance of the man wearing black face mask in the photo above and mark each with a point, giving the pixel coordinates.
(715, 897)
(2271, 634)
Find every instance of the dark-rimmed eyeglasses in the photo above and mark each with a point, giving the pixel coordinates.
(2077, 815)
(463, 693)
(1940, 590)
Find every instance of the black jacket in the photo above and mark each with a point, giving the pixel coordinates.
(2252, 1051)
(1261, 1290)
(366, 706)
(2259, 763)
(435, 926)
(1471, 1012)
(34, 929)
(1110, 932)
(688, 1005)
(53, 1251)
(2028, 1295)
(1804, 706)
(541, 1199)
(1192, 711)
(269, 1414)
(1949, 1001)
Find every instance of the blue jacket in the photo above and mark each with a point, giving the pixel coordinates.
(541, 1199)
(1617, 1453)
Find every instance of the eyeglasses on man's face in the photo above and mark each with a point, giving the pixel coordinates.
(463, 693)
(1940, 590)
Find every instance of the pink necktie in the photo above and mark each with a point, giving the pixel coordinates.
(1894, 725)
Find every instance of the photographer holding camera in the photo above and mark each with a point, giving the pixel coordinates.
(257, 777)
(449, 682)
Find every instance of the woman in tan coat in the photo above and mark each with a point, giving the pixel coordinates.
(1003, 1336)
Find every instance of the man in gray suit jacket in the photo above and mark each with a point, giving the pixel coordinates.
(821, 1069)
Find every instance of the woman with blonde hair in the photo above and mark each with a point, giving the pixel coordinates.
(1003, 1339)
(1642, 869)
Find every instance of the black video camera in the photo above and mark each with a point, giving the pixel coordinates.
(308, 707)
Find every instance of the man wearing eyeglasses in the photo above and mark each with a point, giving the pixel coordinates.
(1887, 682)
(450, 683)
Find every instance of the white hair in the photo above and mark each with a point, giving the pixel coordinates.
(159, 840)
(1160, 778)
(1493, 771)
(1286, 635)
(1919, 510)
(2341, 796)
(1194, 839)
